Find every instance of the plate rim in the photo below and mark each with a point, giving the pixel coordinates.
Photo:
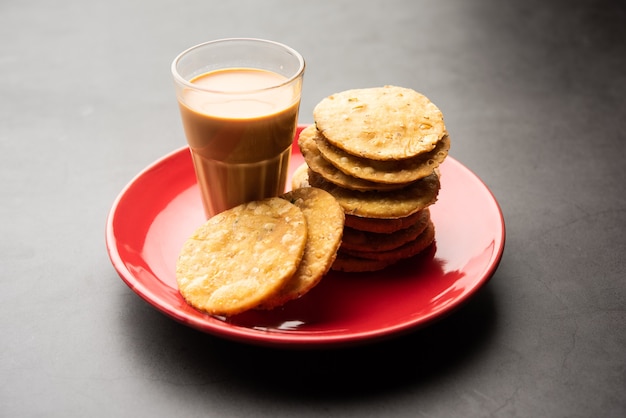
(219, 328)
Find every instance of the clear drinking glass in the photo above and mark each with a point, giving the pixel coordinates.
(239, 100)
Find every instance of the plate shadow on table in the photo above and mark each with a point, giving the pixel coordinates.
(410, 360)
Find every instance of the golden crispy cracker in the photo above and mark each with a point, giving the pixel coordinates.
(300, 177)
(387, 172)
(371, 241)
(242, 256)
(350, 264)
(325, 221)
(405, 251)
(393, 204)
(381, 225)
(317, 163)
(380, 123)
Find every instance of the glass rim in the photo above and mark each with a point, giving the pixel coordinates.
(180, 79)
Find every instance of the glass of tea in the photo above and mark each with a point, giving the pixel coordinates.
(239, 100)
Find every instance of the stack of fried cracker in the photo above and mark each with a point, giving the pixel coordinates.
(377, 150)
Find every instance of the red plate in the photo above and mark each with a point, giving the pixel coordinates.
(161, 207)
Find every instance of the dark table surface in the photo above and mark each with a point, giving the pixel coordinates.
(533, 93)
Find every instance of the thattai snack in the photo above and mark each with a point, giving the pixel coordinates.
(325, 222)
(377, 151)
(381, 123)
(242, 256)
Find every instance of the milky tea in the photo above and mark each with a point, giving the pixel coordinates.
(240, 121)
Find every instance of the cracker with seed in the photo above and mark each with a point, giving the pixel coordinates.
(325, 221)
(387, 172)
(380, 123)
(317, 163)
(405, 251)
(393, 204)
(371, 241)
(242, 256)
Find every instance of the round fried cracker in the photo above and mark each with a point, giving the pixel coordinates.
(393, 204)
(300, 177)
(349, 264)
(405, 251)
(372, 241)
(242, 256)
(387, 172)
(381, 225)
(325, 221)
(380, 123)
(317, 163)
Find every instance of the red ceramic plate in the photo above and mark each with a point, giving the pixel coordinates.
(161, 207)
